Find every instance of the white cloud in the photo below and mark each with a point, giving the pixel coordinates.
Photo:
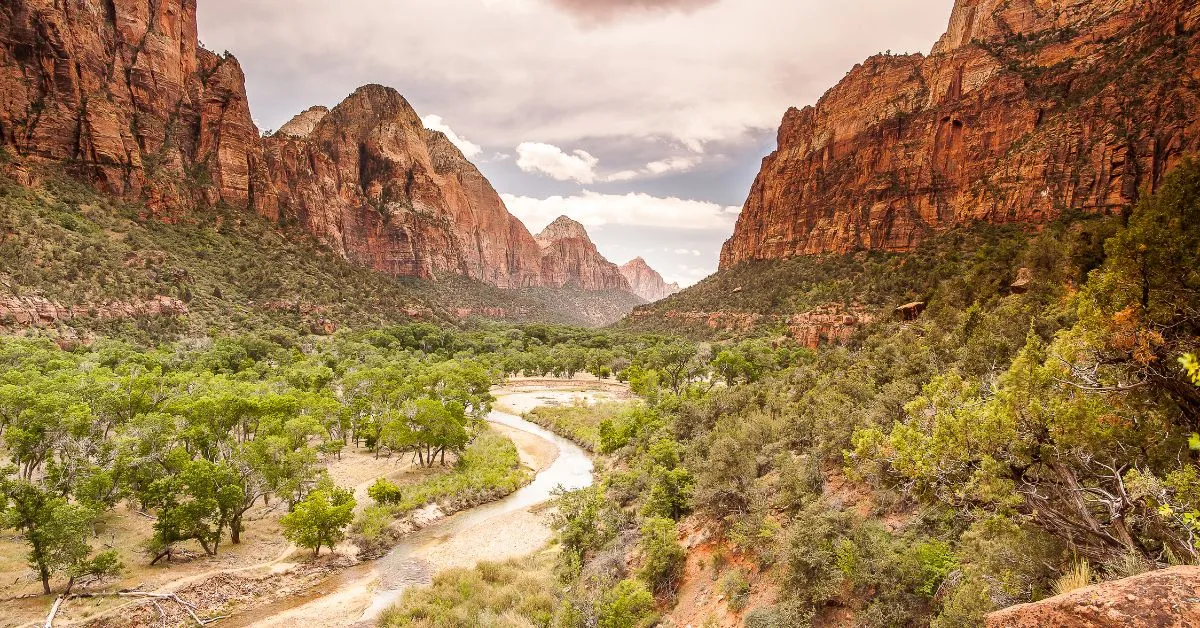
(552, 161)
(469, 149)
(528, 70)
(631, 210)
(687, 252)
(673, 164)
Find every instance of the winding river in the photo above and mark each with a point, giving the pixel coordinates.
(508, 528)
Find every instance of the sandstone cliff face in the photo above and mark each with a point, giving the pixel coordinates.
(303, 123)
(1024, 109)
(1158, 599)
(369, 180)
(120, 91)
(646, 282)
(571, 260)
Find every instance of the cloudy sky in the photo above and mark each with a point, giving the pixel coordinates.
(646, 120)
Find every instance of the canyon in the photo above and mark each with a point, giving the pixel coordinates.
(1025, 110)
(121, 94)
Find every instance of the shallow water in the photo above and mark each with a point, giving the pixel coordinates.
(501, 530)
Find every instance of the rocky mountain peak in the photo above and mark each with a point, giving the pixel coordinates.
(646, 282)
(563, 228)
(303, 123)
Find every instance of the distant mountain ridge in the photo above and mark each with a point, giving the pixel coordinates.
(1024, 110)
(571, 259)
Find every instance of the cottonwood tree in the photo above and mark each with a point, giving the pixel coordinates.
(320, 520)
(55, 530)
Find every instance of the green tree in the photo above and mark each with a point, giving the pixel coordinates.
(320, 520)
(663, 557)
(55, 530)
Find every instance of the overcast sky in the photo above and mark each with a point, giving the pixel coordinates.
(645, 120)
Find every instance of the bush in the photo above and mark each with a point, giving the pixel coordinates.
(385, 492)
(663, 557)
(736, 589)
(627, 605)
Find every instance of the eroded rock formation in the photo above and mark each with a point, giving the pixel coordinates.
(1023, 110)
(646, 282)
(369, 180)
(120, 91)
(570, 259)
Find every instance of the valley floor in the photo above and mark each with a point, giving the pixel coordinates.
(332, 591)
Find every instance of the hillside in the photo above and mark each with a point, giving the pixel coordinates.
(80, 261)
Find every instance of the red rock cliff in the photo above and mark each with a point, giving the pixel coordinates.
(570, 259)
(371, 181)
(120, 92)
(1024, 109)
(646, 282)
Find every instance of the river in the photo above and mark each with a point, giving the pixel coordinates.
(508, 528)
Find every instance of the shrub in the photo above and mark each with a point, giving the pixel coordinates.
(736, 589)
(385, 492)
(627, 605)
(663, 557)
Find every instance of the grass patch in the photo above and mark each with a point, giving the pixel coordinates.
(516, 593)
(490, 468)
(579, 423)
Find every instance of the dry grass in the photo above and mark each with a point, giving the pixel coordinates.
(1076, 578)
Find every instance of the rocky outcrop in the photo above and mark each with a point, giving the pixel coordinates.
(35, 311)
(303, 123)
(1159, 599)
(571, 260)
(646, 282)
(1024, 109)
(120, 91)
(827, 324)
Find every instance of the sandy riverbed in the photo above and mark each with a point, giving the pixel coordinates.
(512, 527)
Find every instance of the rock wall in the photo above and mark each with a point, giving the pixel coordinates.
(1023, 110)
(120, 92)
(646, 282)
(369, 180)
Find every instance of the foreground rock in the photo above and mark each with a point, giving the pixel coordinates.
(1159, 599)
(1024, 110)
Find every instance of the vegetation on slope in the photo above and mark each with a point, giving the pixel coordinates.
(969, 266)
(234, 271)
(930, 472)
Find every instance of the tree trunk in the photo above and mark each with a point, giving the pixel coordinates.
(45, 575)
